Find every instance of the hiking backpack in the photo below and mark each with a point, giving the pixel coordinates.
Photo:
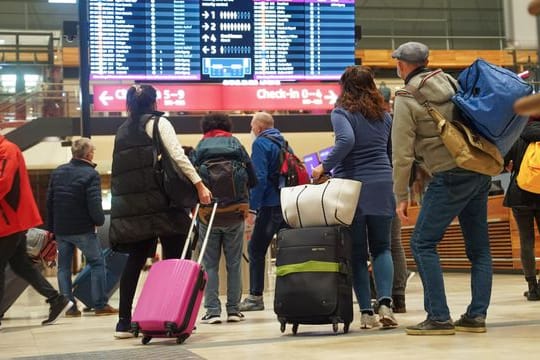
(486, 99)
(528, 178)
(292, 171)
(220, 164)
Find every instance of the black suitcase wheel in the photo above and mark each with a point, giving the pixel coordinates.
(180, 339)
(335, 327)
(294, 328)
(146, 339)
(282, 327)
(346, 328)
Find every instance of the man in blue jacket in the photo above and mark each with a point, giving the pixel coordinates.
(73, 211)
(264, 204)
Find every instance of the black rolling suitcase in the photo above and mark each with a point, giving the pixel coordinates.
(314, 277)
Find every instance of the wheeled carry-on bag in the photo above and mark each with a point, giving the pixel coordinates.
(171, 296)
(314, 277)
(114, 266)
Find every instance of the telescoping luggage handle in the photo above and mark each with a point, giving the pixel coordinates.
(206, 236)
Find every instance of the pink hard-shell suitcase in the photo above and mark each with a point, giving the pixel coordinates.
(171, 296)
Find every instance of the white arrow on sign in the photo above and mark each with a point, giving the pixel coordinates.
(331, 97)
(205, 14)
(104, 98)
(206, 26)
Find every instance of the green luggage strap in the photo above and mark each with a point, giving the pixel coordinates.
(308, 266)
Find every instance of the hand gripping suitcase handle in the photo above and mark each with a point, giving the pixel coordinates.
(187, 243)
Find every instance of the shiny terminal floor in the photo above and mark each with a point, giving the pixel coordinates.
(513, 333)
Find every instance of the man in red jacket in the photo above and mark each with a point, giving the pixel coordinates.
(18, 213)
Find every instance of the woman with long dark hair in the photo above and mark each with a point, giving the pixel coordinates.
(140, 211)
(362, 152)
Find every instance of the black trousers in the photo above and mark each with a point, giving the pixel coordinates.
(13, 251)
(139, 252)
(525, 219)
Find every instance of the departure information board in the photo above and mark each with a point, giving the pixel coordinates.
(220, 40)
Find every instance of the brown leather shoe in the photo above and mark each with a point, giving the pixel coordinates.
(107, 310)
(73, 312)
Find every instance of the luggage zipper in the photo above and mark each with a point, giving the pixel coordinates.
(198, 287)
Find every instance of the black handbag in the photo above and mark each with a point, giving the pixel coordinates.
(175, 185)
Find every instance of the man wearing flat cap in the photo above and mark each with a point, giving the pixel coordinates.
(453, 192)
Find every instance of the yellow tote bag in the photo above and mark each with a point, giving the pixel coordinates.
(528, 178)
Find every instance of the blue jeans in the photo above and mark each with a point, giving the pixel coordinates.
(371, 236)
(269, 221)
(452, 193)
(91, 249)
(231, 239)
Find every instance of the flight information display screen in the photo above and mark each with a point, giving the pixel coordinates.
(217, 40)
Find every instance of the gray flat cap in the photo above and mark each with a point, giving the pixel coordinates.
(412, 52)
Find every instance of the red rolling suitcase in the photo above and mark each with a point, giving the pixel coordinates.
(172, 295)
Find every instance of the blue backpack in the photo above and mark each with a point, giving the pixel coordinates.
(486, 99)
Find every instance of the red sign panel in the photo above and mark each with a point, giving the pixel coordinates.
(214, 97)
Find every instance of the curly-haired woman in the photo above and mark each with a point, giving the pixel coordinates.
(362, 152)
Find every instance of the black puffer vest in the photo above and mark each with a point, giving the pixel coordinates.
(139, 209)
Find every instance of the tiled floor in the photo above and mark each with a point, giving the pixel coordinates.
(513, 333)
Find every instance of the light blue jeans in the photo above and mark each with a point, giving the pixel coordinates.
(371, 236)
(230, 238)
(91, 248)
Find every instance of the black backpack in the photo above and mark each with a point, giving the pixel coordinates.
(223, 166)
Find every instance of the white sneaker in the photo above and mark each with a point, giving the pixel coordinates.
(368, 321)
(211, 319)
(386, 317)
(123, 335)
(235, 317)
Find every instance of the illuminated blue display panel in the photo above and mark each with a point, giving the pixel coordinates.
(218, 40)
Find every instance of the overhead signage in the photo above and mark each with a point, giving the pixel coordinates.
(217, 97)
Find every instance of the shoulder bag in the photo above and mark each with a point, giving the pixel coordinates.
(179, 190)
(470, 151)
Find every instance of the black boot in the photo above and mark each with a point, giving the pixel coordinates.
(399, 304)
(533, 294)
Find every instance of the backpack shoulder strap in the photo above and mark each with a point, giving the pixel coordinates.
(417, 94)
(274, 140)
(435, 115)
(157, 146)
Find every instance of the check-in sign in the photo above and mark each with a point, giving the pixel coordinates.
(217, 97)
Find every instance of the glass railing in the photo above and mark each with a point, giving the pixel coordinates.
(49, 101)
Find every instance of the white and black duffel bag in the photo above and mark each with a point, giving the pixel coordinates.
(333, 202)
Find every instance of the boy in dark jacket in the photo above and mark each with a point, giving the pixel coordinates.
(74, 210)
(18, 213)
